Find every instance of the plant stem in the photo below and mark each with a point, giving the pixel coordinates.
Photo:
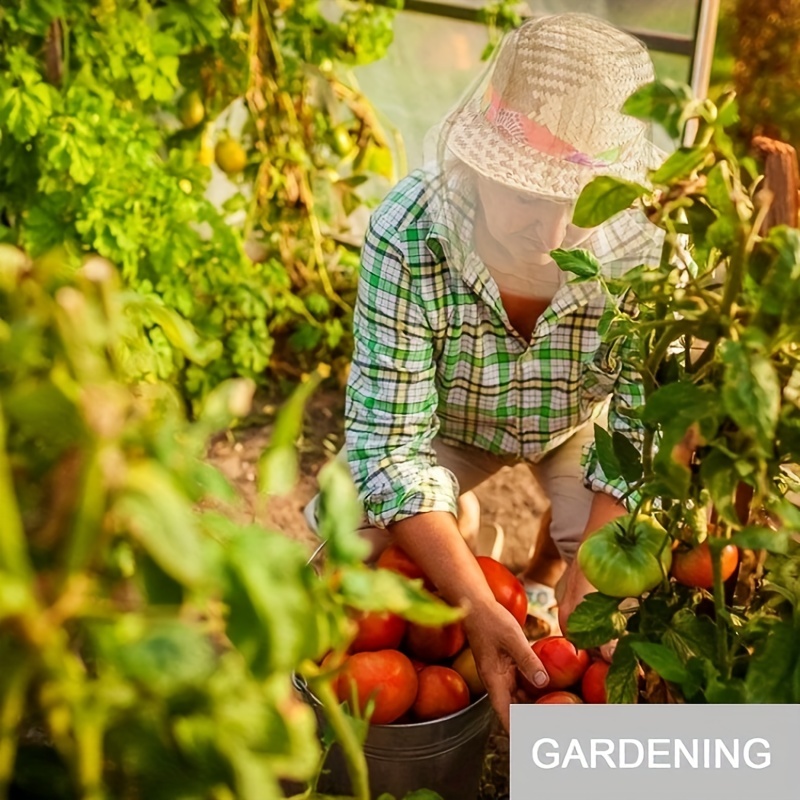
(720, 613)
(353, 753)
(13, 547)
(13, 688)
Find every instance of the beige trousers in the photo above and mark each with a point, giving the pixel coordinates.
(559, 473)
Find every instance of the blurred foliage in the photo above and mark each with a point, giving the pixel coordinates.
(758, 54)
(147, 647)
(117, 115)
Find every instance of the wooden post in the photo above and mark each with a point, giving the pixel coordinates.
(781, 180)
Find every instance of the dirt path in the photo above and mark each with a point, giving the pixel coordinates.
(510, 500)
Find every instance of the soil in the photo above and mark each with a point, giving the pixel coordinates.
(511, 507)
(511, 502)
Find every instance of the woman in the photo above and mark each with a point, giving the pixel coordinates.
(472, 349)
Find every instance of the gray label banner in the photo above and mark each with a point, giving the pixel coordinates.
(735, 752)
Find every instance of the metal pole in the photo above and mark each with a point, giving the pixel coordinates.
(704, 46)
(705, 37)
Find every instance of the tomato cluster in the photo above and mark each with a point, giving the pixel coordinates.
(412, 672)
(627, 560)
(574, 676)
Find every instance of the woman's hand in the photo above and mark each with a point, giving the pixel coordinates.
(497, 641)
(571, 590)
(500, 650)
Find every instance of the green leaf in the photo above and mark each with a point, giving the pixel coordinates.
(718, 474)
(689, 635)
(622, 680)
(680, 164)
(383, 590)
(606, 454)
(751, 393)
(718, 190)
(181, 333)
(163, 656)
(25, 110)
(340, 514)
(156, 513)
(662, 660)
(603, 198)
(579, 262)
(278, 468)
(755, 537)
(273, 621)
(628, 457)
(720, 690)
(662, 102)
(721, 234)
(606, 321)
(690, 401)
(595, 621)
(770, 674)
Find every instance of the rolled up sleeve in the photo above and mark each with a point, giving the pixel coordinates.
(391, 398)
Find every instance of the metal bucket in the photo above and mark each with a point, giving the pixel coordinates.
(445, 755)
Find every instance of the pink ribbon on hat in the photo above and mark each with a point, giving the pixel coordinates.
(521, 128)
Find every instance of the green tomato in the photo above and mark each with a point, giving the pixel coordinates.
(620, 563)
(191, 109)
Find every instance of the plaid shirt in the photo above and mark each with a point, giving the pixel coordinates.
(435, 355)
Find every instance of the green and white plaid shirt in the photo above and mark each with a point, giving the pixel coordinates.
(435, 355)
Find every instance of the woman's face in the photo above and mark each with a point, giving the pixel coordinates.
(527, 225)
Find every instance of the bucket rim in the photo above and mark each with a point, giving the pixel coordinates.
(301, 684)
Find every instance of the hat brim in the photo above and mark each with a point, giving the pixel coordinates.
(472, 139)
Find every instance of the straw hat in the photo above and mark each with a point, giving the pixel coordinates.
(547, 118)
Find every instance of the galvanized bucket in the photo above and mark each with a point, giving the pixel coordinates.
(445, 755)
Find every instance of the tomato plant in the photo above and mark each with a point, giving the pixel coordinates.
(693, 567)
(626, 557)
(430, 643)
(558, 698)
(442, 691)
(506, 587)
(710, 332)
(377, 631)
(111, 113)
(385, 677)
(593, 682)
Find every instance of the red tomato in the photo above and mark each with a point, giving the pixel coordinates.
(377, 631)
(506, 588)
(396, 559)
(434, 644)
(418, 665)
(563, 662)
(559, 698)
(593, 683)
(442, 691)
(387, 676)
(693, 567)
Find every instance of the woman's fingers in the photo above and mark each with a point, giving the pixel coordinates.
(528, 664)
(499, 689)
